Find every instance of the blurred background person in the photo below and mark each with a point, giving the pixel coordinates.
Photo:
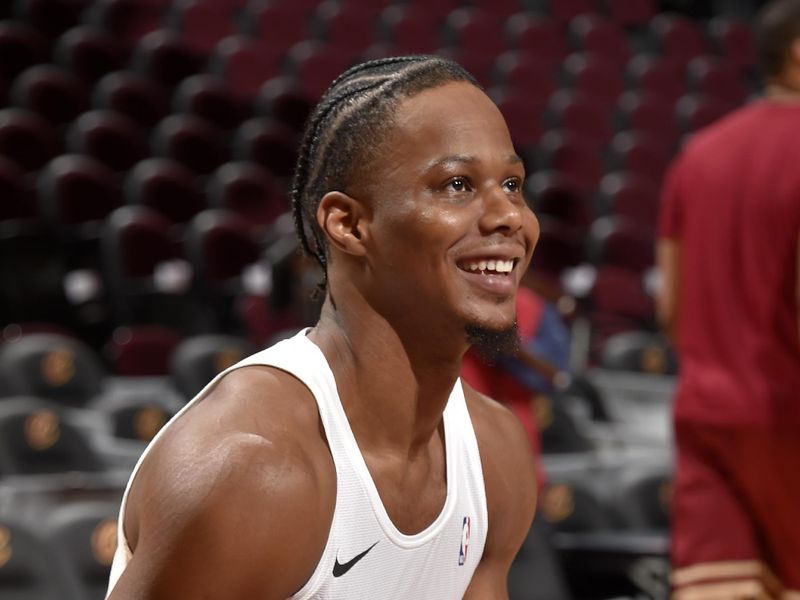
(730, 265)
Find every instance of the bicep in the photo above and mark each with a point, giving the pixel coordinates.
(215, 534)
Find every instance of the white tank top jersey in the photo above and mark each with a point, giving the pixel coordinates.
(366, 557)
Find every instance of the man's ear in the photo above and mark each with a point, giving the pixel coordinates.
(344, 221)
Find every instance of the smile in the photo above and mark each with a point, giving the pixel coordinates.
(489, 266)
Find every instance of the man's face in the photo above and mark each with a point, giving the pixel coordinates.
(451, 232)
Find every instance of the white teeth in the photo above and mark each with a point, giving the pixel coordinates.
(497, 266)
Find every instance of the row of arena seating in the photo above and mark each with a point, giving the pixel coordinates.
(133, 124)
(146, 149)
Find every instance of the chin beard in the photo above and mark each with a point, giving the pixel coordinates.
(491, 344)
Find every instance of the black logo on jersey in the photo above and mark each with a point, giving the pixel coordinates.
(340, 569)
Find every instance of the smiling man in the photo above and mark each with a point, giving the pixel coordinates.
(350, 462)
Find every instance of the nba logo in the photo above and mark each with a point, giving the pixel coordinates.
(462, 554)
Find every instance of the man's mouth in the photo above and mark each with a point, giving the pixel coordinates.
(489, 266)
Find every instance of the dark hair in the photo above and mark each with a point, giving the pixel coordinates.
(777, 27)
(347, 127)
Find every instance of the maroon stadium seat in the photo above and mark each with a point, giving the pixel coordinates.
(631, 13)
(136, 239)
(717, 77)
(639, 153)
(560, 247)
(348, 26)
(245, 63)
(165, 186)
(127, 20)
(221, 245)
(661, 77)
(142, 350)
(563, 11)
(734, 41)
(51, 17)
(279, 24)
(502, 8)
(596, 35)
(282, 99)
(619, 302)
(316, 66)
(165, 57)
(579, 113)
(89, 53)
(26, 138)
(522, 114)
(555, 195)
(52, 92)
(617, 242)
(630, 196)
(409, 29)
(648, 114)
(201, 24)
(438, 8)
(677, 37)
(249, 190)
(519, 72)
(594, 77)
(190, 140)
(75, 190)
(148, 278)
(209, 98)
(475, 30)
(578, 158)
(539, 36)
(109, 137)
(132, 95)
(268, 143)
(21, 47)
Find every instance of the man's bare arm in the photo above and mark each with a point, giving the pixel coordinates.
(223, 512)
(668, 260)
(510, 479)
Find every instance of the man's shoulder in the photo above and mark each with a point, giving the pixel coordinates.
(254, 440)
(502, 439)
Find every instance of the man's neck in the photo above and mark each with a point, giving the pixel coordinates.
(394, 386)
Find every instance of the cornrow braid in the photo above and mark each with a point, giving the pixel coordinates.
(347, 127)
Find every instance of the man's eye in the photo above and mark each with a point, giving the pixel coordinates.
(458, 184)
(512, 185)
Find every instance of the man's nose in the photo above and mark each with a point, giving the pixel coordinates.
(501, 212)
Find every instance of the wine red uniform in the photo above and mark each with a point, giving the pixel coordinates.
(732, 201)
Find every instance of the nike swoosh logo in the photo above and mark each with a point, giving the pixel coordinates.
(340, 569)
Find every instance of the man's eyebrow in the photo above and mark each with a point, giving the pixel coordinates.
(511, 159)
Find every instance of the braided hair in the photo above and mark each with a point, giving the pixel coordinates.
(347, 127)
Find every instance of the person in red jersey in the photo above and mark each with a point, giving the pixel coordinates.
(729, 257)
